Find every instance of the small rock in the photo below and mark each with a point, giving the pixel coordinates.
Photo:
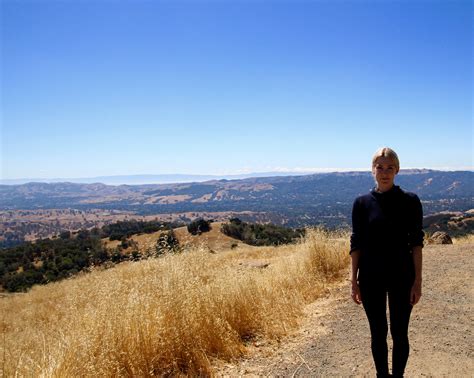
(440, 237)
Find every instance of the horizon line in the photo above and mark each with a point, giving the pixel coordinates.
(243, 172)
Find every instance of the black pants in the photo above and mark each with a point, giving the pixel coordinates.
(374, 300)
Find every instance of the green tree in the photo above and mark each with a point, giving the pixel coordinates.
(167, 242)
(199, 226)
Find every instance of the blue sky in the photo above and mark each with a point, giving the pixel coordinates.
(109, 87)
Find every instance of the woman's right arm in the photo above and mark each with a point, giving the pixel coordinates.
(355, 291)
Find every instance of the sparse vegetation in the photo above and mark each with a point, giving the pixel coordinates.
(125, 229)
(260, 234)
(167, 243)
(199, 226)
(165, 316)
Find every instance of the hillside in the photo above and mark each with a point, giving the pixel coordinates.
(177, 314)
(453, 223)
(48, 260)
(214, 240)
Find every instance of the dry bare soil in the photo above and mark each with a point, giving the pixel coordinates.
(334, 338)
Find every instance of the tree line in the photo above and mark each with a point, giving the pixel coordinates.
(48, 260)
(261, 234)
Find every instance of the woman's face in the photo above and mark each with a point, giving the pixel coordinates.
(384, 172)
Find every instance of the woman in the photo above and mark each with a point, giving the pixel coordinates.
(386, 245)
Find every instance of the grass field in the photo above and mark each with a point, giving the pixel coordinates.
(171, 315)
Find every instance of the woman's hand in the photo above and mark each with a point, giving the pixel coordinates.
(415, 294)
(355, 293)
(416, 288)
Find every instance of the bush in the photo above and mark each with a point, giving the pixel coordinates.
(199, 226)
(65, 235)
(124, 243)
(167, 242)
(125, 229)
(260, 234)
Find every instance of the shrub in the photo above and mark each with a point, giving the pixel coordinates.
(261, 234)
(199, 226)
(167, 242)
(65, 235)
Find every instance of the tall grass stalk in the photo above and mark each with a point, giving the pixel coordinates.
(165, 316)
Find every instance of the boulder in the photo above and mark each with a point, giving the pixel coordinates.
(440, 237)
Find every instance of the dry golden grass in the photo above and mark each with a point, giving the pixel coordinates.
(213, 240)
(466, 239)
(171, 315)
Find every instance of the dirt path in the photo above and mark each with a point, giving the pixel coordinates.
(334, 338)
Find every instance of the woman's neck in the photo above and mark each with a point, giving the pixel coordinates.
(383, 190)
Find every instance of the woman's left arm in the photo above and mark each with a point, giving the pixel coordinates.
(415, 294)
(416, 242)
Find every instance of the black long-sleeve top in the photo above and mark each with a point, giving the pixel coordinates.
(385, 228)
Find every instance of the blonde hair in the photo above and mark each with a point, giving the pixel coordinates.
(388, 153)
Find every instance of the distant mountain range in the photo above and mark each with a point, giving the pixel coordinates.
(147, 179)
(322, 198)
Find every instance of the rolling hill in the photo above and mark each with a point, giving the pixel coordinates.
(294, 199)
